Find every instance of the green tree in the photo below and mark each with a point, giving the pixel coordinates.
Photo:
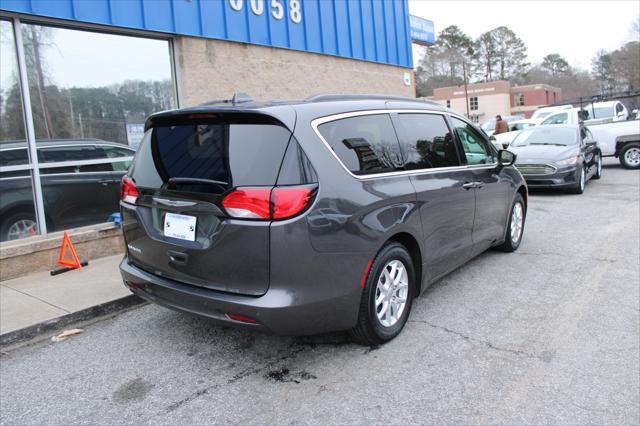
(442, 64)
(454, 47)
(510, 54)
(626, 63)
(484, 64)
(555, 64)
(603, 71)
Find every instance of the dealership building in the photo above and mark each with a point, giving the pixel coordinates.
(79, 73)
(486, 100)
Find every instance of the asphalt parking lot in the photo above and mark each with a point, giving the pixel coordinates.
(549, 334)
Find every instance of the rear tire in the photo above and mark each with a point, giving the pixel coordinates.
(515, 226)
(630, 156)
(377, 323)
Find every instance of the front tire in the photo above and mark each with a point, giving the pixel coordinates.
(598, 173)
(515, 227)
(18, 225)
(630, 156)
(582, 179)
(387, 296)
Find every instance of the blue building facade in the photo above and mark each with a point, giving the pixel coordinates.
(371, 30)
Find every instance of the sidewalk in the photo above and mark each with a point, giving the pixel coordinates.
(39, 297)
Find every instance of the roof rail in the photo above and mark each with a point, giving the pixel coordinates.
(327, 97)
(238, 98)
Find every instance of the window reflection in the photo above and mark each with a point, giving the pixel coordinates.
(88, 90)
(17, 213)
(365, 144)
(427, 142)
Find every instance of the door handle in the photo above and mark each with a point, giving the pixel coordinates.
(468, 185)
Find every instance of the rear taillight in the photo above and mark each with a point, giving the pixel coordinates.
(128, 190)
(267, 203)
(248, 203)
(289, 201)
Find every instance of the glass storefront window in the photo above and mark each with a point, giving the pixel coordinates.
(89, 92)
(17, 213)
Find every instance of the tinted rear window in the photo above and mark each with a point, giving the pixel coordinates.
(365, 144)
(239, 154)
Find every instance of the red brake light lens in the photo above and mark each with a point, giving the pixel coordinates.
(289, 201)
(267, 203)
(128, 190)
(248, 203)
(242, 318)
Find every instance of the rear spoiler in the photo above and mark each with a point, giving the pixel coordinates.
(279, 115)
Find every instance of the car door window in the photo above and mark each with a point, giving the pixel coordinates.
(475, 148)
(70, 153)
(426, 142)
(14, 157)
(562, 118)
(93, 168)
(365, 144)
(117, 153)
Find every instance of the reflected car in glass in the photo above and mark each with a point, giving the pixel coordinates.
(558, 156)
(80, 184)
(302, 217)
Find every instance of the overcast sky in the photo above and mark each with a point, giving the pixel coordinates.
(575, 29)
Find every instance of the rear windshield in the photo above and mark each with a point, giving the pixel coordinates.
(210, 157)
(601, 112)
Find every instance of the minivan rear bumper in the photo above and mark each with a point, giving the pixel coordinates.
(278, 311)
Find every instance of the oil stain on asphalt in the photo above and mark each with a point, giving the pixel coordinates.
(133, 391)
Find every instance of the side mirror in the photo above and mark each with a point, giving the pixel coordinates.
(620, 114)
(506, 158)
(590, 142)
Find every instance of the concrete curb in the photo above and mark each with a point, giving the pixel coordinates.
(28, 333)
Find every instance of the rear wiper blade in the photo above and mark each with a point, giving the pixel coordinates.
(190, 180)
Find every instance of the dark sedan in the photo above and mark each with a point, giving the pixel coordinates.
(80, 184)
(559, 156)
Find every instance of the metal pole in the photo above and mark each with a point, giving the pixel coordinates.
(466, 95)
(36, 184)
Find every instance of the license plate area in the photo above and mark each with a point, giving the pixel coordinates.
(180, 226)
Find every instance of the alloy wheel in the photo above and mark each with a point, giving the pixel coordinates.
(21, 229)
(517, 222)
(391, 293)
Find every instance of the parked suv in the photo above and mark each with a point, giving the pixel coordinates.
(80, 184)
(331, 213)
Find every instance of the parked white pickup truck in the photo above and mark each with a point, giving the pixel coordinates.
(619, 139)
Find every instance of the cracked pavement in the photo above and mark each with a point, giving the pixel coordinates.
(549, 334)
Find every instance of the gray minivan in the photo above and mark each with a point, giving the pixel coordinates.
(330, 213)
